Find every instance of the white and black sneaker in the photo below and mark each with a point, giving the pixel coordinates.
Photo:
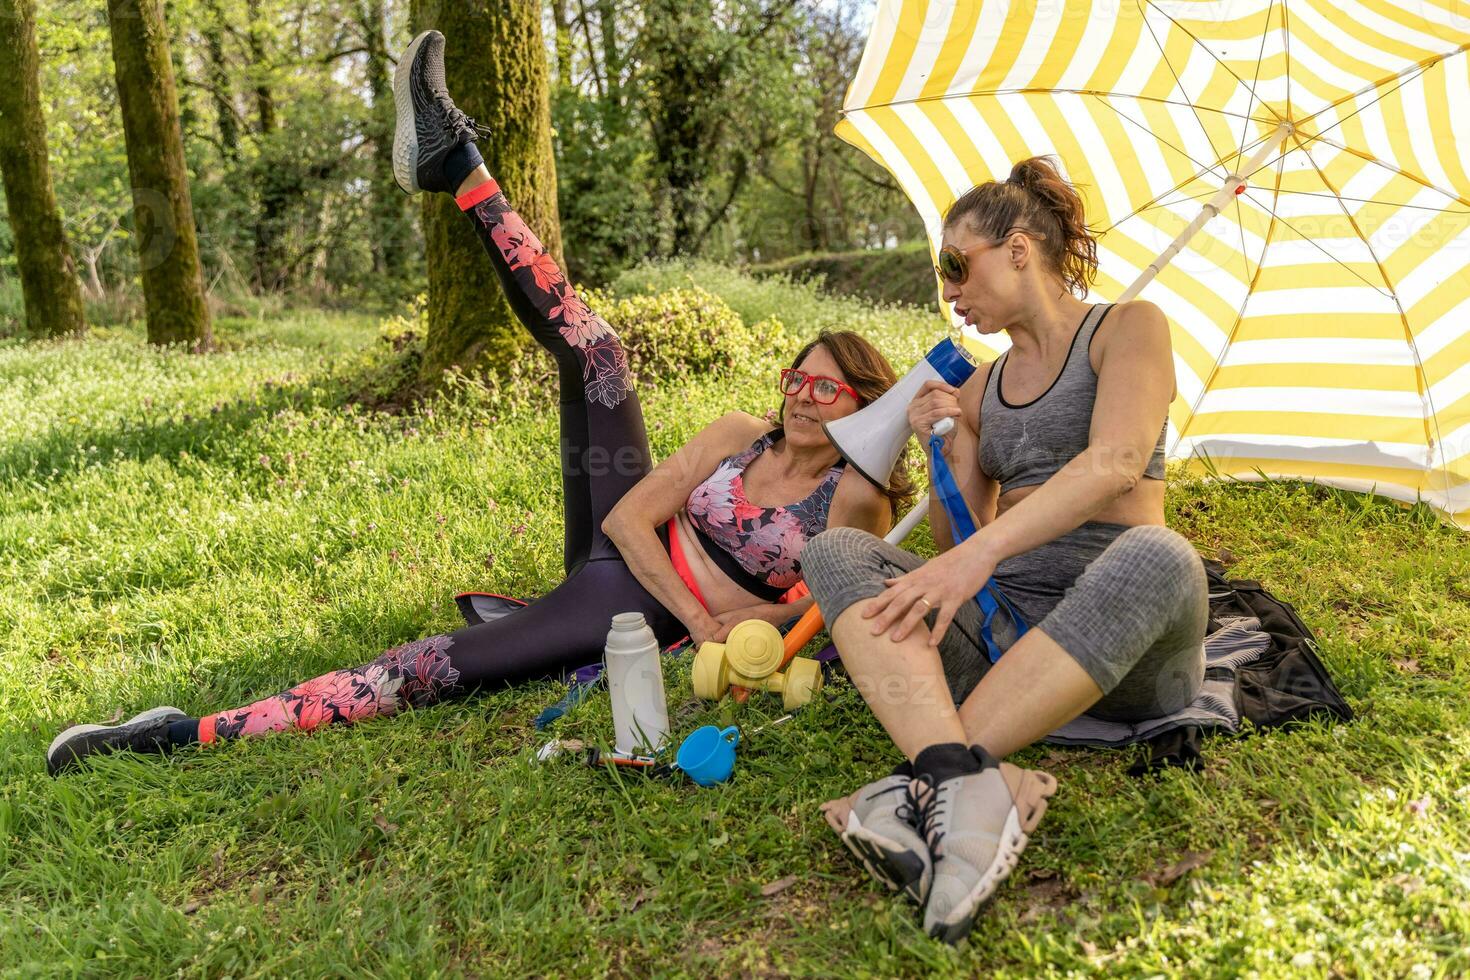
(144, 732)
(880, 830)
(976, 826)
(430, 126)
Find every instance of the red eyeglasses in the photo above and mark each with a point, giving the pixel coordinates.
(825, 390)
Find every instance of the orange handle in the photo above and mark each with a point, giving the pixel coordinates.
(801, 634)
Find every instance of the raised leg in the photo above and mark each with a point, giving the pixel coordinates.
(604, 442)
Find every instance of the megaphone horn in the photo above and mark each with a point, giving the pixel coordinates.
(873, 438)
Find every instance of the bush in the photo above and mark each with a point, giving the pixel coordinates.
(687, 330)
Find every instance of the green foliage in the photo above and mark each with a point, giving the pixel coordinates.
(202, 531)
(12, 307)
(688, 330)
(904, 274)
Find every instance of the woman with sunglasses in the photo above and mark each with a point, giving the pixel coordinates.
(710, 537)
(1058, 451)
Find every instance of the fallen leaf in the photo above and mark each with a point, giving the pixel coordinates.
(117, 716)
(1407, 882)
(778, 886)
(383, 824)
(192, 906)
(1227, 557)
(1189, 862)
(1407, 664)
(644, 894)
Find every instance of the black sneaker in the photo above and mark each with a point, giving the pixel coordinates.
(430, 125)
(145, 732)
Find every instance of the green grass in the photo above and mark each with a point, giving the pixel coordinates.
(201, 531)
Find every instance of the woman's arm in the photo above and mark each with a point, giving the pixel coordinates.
(632, 524)
(1135, 383)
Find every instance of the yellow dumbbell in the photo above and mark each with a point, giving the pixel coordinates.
(751, 657)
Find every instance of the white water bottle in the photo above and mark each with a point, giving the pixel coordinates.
(635, 681)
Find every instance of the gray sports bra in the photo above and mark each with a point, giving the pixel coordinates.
(1023, 445)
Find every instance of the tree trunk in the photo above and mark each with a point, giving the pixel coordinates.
(53, 298)
(612, 58)
(563, 42)
(163, 214)
(470, 324)
(220, 86)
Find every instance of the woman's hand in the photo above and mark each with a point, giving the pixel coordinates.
(707, 629)
(773, 613)
(942, 584)
(935, 400)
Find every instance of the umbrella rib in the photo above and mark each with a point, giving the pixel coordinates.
(1244, 254)
(1054, 91)
(1240, 313)
(1155, 199)
(1178, 83)
(1433, 420)
(1312, 241)
(1371, 200)
(1286, 43)
(1388, 166)
(1205, 167)
(1403, 78)
(1341, 197)
(1255, 79)
(1206, 48)
(1421, 66)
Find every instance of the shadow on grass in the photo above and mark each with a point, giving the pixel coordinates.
(60, 453)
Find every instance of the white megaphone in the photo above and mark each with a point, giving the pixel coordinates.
(873, 438)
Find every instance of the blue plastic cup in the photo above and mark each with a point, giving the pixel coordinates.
(708, 754)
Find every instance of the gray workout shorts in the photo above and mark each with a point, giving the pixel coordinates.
(1129, 604)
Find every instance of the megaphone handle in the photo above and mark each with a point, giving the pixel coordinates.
(808, 626)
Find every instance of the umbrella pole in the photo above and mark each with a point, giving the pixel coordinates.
(1214, 206)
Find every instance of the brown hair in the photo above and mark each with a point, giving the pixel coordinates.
(870, 375)
(1036, 198)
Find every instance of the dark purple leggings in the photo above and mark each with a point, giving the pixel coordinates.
(604, 452)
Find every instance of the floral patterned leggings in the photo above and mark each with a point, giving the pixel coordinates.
(604, 452)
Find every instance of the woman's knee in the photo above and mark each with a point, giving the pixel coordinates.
(835, 550)
(841, 565)
(1157, 561)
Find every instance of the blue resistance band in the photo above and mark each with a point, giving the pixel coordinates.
(961, 527)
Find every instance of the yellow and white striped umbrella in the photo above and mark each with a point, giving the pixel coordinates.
(1321, 321)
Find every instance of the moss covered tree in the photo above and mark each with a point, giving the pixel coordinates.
(53, 297)
(163, 214)
(495, 67)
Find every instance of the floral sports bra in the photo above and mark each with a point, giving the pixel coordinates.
(757, 547)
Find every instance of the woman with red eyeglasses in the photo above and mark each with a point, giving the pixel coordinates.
(710, 537)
